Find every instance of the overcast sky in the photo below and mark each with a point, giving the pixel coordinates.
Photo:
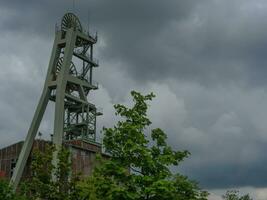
(206, 60)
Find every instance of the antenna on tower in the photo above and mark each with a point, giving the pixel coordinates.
(88, 18)
(73, 5)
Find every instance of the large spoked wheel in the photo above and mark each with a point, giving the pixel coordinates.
(70, 20)
(72, 71)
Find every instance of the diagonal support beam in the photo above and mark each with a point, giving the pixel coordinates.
(38, 115)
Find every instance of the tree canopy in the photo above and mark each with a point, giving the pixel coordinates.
(234, 195)
(139, 165)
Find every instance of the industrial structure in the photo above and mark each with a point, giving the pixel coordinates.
(68, 83)
(82, 157)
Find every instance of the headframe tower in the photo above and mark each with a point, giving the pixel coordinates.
(68, 83)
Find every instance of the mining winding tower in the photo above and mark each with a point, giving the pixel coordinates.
(68, 83)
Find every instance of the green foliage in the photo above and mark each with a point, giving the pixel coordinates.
(234, 195)
(137, 168)
(41, 186)
(6, 192)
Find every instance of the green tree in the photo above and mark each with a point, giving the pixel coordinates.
(234, 195)
(41, 186)
(7, 193)
(138, 168)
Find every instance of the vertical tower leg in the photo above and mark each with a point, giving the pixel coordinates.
(60, 95)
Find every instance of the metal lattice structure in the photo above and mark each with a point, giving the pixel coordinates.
(68, 83)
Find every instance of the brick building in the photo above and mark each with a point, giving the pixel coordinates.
(83, 154)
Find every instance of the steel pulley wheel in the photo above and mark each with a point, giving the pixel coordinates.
(70, 20)
(72, 71)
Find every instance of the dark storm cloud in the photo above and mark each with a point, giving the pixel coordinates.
(225, 130)
(205, 59)
(204, 41)
(131, 28)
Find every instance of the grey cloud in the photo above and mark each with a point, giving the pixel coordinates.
(224, 131)
(211, 41)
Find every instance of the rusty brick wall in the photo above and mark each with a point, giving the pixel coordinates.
(83, 157)
(8, 157)
(10, 154)
(83, 162)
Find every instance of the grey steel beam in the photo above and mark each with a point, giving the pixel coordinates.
(84, 36)
(60, 94)
(38, 115)
(83, 83)
(76, 99)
